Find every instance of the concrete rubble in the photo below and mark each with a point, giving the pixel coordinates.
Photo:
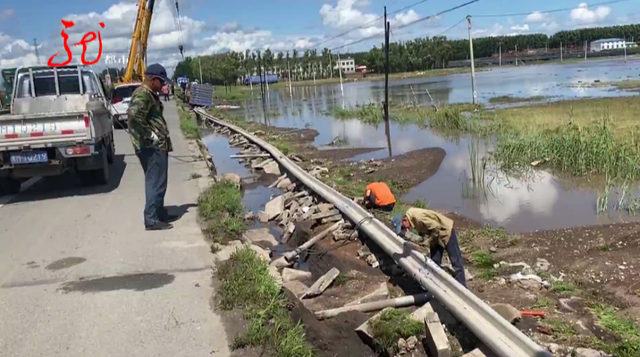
(508, 312)
(381, 293)
(321, 284)
(261, 237)
(294, 274)
(436, 340)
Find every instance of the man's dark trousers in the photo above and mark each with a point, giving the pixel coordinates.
(155, 164)
(453, 249)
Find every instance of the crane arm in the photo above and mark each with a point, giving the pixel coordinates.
(139, 40)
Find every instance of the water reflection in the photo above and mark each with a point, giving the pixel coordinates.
(540, 202)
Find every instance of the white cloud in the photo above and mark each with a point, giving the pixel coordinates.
(520, 28)
(345, 15)
(550, 27)
(6, 14)
(405, 18)
(536, 16)
(582, 14)
(231, 27)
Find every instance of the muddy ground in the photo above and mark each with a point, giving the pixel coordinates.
(600, 264)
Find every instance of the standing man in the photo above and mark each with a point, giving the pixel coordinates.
(150, 138)
(378, 195)
(439, 230)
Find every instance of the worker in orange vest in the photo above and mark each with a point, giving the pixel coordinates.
(378, 195)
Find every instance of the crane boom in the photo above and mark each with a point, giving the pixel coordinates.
(139, 40)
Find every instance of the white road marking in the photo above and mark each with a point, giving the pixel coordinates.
(25, 186)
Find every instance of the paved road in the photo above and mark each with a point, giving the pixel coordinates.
(79, 276)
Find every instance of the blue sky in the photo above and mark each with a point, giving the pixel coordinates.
(211, 26)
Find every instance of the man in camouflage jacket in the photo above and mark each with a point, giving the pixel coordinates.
(152, 143)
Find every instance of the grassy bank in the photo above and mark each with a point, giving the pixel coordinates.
(188, 125)
(220, 206)
(246, 284)
(391, 326)
(232, 94)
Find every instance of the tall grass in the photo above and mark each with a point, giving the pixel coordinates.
(221, 206)
(578, 150)
(187, 125)
(367, 113)
(246, 283)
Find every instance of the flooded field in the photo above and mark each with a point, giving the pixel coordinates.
(541, 201)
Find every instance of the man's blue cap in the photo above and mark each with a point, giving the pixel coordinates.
(397, 223)
(156, 70)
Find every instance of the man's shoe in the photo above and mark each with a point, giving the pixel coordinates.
(160, 226)
(170, 218)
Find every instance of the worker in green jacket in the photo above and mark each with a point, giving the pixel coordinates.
(152, 143)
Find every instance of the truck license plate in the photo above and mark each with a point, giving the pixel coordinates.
(32, 157)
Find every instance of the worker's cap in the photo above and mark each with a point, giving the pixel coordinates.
(396, 222)
(156, 70)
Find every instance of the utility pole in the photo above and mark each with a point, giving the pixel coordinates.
(266, 81)
(386, 66)
(340, 73)
(585, 50)
(473, 66)
(260, 75)
(625, 50)
(289, 70)
(200, 64)
(35, 47)
(500, 55)
(516, 55)
(561, 49)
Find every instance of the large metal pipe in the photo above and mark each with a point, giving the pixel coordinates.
(494, 331)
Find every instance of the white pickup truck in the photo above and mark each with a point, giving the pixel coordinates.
(59, 121)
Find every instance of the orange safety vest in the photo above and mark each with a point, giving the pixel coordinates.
(382, 192)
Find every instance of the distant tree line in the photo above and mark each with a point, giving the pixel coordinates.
(414, 55)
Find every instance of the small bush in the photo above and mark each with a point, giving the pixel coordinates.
(221, 206)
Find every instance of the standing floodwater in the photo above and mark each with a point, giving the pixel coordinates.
(541, 201)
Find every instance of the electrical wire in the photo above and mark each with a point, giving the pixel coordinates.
(368, 23)
(552, 11)
(451, 28)
(412, 23)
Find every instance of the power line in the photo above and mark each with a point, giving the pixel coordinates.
(368, 23)
(552, 11)
(451, 28)
(410, 23)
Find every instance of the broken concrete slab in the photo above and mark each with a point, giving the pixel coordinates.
(334, 218)
(475, 353)
(381, 293)
(542, 264)
(233, 178)
(508, 312)
(283, 184)
(287, 233)
(290, 187)
(263, 217)
(264, 254)
(273, 272)
(272, 168)
(296, 287)
(421, 313)
(325, 214)
(295, 274)
(364, 331)
(277, 181)
(587, 352)
(321, 284)
(275, 207)
(325, 207)
(261, 237)
(225, 253)
(436, 341)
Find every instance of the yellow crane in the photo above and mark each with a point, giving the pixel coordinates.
(138, 51)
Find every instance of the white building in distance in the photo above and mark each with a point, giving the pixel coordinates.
(347, 65)
(610, 44)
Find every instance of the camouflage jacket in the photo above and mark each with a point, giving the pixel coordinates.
(145, 119)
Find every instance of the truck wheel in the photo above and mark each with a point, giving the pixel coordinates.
(99, 176)
(111, 151)
(9, 186)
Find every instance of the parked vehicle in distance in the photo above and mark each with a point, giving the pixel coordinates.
(120, 99)
(59, 120)
(269, 78)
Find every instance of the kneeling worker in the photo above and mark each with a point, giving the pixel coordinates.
(378, 195)
(439, 230)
